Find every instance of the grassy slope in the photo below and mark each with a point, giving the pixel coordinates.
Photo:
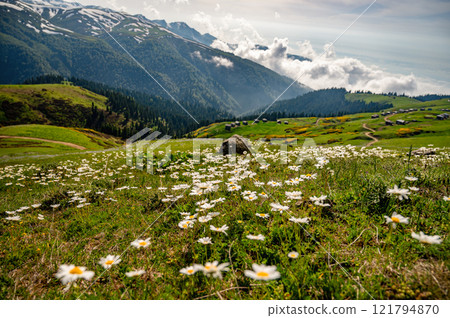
(388, 264)
(349, 130)
(397, 101)
(31, 93)
(87, 138)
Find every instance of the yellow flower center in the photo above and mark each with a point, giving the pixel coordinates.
(395, 219)
(308, 175)
(185, 226)
(142, 243)
(76, 270)
(263, 193)
(262, 274)
(190, 271)
(109, 262)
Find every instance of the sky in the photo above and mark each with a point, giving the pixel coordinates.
(400, 45)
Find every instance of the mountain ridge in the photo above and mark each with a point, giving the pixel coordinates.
(39, 39)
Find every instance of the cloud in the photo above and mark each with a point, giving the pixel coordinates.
(218, 61)
(217, 8)
(227, 27)
(277, 15)
(325, 69)
(152, 11)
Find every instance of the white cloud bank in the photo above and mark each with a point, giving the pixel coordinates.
(325, 70)
(218, 61)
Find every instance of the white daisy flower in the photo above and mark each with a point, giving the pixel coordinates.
(186, 224)
(135, 273)
(395, 219)
(294, 195)
(214, 269)
(109, 261)
(293, 254)
(402, 193)
(274, 184)
(262, 272)
(141, 243)
(279, 208)
(263, 215)
(413, 189)
(258, 237)
(411, 178)
(70, 273)
(190, 270)
(299, 220)
(221, 229)
(435, 239)
(204, 219)
(205, 240)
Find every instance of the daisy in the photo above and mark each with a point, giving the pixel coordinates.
(222, 229)
(135, 273)
(396, 218)
(109, 261)
(262, 272)
(263, 215)
(205, 240)
(278, 207)
(258, 237)
(214, 269)
(251, 197)
(36, 206)
(70, 273)
(411, 178)
(274, 184)
(190, 270)
(234, 188)
(435, 239)
(263, 195)
(191, 217)
(402, 193)
(446, 198)
(206, 206)
(204, 219)
(213, 214)
(413, 189)
(13, 218)
(141, 243)
(299, 220)
(258, 183)
(293, 254)
(40, 217)
(185, 224)
(294, 195)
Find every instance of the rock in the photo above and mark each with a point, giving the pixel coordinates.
(423, 152)
(235, 144)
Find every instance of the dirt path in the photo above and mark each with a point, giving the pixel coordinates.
(46, 140)
(388, 116)
(317, 121)
(369, 134)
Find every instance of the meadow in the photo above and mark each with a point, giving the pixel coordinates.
(309, 223)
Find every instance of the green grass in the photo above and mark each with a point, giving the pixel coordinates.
(388, 263)
(396, 101)
(348, 129)
(31, 94)
(18, 147)
(87, 138)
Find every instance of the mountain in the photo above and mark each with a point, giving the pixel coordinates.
(324, 102)
(40, 37)
(184, 30)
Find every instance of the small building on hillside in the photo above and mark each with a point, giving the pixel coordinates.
(286, 122)
(256, 121)
(245, 123)
(264, 120)
(237, 123)
(278, 122)
(389, 123)
(228, 127)
(400, 122)
(375, 116)
(232, 125)
(440, 117)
